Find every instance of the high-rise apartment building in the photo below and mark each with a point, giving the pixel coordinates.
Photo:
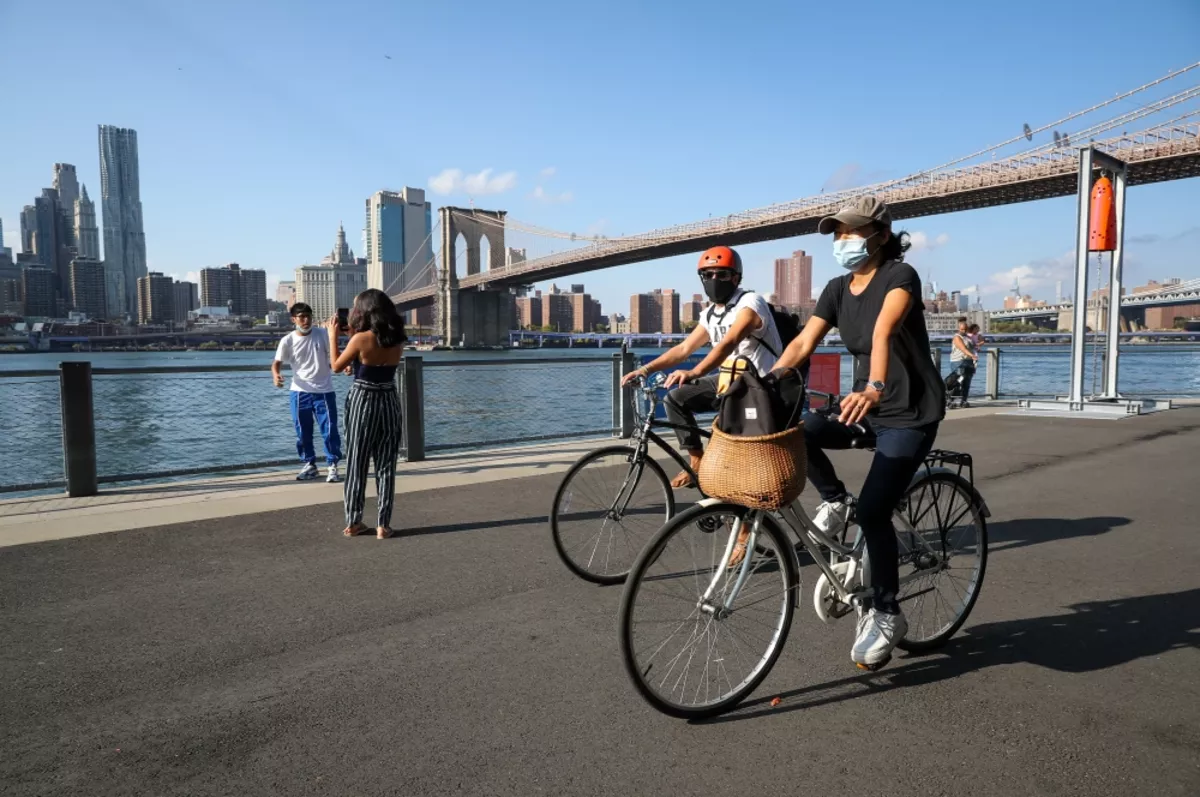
(689, 312)
(558, 312)
(50, 239)
(243, 291)
(5, 251)
(67, 186)
(156, 299)
(40, 295)
(187, 298)
(399, 241)
(529, 311)
(657, 311)
(88, 294)
(121, 200)
(12, 294)
(285, 293)
(585, 311)
(87, 234)
(793, 280)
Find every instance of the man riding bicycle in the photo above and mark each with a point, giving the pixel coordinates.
(737, 323)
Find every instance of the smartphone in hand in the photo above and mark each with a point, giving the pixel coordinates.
(343, 315)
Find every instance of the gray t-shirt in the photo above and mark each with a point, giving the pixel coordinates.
(956, 355)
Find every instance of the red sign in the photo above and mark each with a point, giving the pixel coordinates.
(825, 375)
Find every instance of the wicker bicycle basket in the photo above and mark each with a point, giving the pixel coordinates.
(766, 472)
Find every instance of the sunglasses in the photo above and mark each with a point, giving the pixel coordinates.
(719, 274)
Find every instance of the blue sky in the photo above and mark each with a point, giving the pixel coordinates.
(262, 125)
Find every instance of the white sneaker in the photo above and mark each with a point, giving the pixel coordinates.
(878, 633)
(307, 473)
(333, 475)
(831, 517)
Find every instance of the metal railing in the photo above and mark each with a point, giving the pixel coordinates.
(78, 426)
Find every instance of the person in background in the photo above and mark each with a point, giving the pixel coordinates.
(964, 357)
(312, 396)
(976, 336)
(373, 430)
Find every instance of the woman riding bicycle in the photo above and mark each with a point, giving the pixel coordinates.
(898, 392)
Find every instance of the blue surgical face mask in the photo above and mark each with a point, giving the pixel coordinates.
(302, 331)
(850, 253)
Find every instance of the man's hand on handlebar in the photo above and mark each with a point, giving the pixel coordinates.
(633, 376)
(677, 378)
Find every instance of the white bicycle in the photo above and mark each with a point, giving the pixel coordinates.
(698, 636)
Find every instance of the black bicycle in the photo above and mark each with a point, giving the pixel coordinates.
(614, 498)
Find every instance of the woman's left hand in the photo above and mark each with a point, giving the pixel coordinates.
(856, 406)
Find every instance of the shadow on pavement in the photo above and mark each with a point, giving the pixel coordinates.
(1009, 534)
(1091, 636)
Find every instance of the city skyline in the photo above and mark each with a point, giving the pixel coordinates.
(216, 189)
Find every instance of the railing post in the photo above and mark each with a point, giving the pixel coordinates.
(993, 374)
(78, 428)
(623, 364)
(936, 353)
(412, 404)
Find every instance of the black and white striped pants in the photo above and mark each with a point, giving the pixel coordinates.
(373, 431)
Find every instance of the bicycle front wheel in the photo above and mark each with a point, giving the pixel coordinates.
(605, 509)
(698, 635)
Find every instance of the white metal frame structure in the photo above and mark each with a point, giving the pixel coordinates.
(1109, 403)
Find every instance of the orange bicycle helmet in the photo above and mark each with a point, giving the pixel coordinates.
(720, 257)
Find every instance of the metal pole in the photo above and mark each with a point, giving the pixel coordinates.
(78, 428)
(1079, 326)
(1112, 352)
(618, 360)
(993, 374)
(412, 405)
(627, 367)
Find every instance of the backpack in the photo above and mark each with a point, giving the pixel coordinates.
(760, 404)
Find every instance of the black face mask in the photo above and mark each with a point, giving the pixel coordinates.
(718, 291)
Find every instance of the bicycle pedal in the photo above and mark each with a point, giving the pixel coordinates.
(873, 667)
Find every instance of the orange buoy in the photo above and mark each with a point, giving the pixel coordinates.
(1102, 235)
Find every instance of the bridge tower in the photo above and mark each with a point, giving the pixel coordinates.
(472, 317)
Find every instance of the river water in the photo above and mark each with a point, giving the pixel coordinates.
(149, 423)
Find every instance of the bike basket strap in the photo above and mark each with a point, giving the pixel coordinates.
(766, 472)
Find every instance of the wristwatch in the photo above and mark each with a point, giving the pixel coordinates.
(877, 385)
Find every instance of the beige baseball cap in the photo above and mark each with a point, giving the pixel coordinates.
(862, 211)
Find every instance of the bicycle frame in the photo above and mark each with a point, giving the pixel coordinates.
(840, 575)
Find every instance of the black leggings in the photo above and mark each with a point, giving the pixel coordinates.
(898, 454)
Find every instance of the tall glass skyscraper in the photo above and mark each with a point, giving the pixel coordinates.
(399, 241)
(121, 200)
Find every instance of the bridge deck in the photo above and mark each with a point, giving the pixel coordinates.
(263, 654)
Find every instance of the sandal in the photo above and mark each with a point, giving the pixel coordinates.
(353, 531)
(739, 549)
(383, 533)
(683, 481)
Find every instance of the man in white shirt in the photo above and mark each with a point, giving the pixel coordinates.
(312, 395)
(737, 323)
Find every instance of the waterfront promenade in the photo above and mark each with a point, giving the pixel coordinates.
(223, 638)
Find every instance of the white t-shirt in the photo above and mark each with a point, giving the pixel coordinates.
(309, 357)
(717, 319)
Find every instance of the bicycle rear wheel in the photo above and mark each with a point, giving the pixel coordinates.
(605, 509)
(688, 653)
(943, 551)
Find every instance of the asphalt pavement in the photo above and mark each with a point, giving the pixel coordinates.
(265, 654)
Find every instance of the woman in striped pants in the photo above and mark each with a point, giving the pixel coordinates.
(372, 406)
